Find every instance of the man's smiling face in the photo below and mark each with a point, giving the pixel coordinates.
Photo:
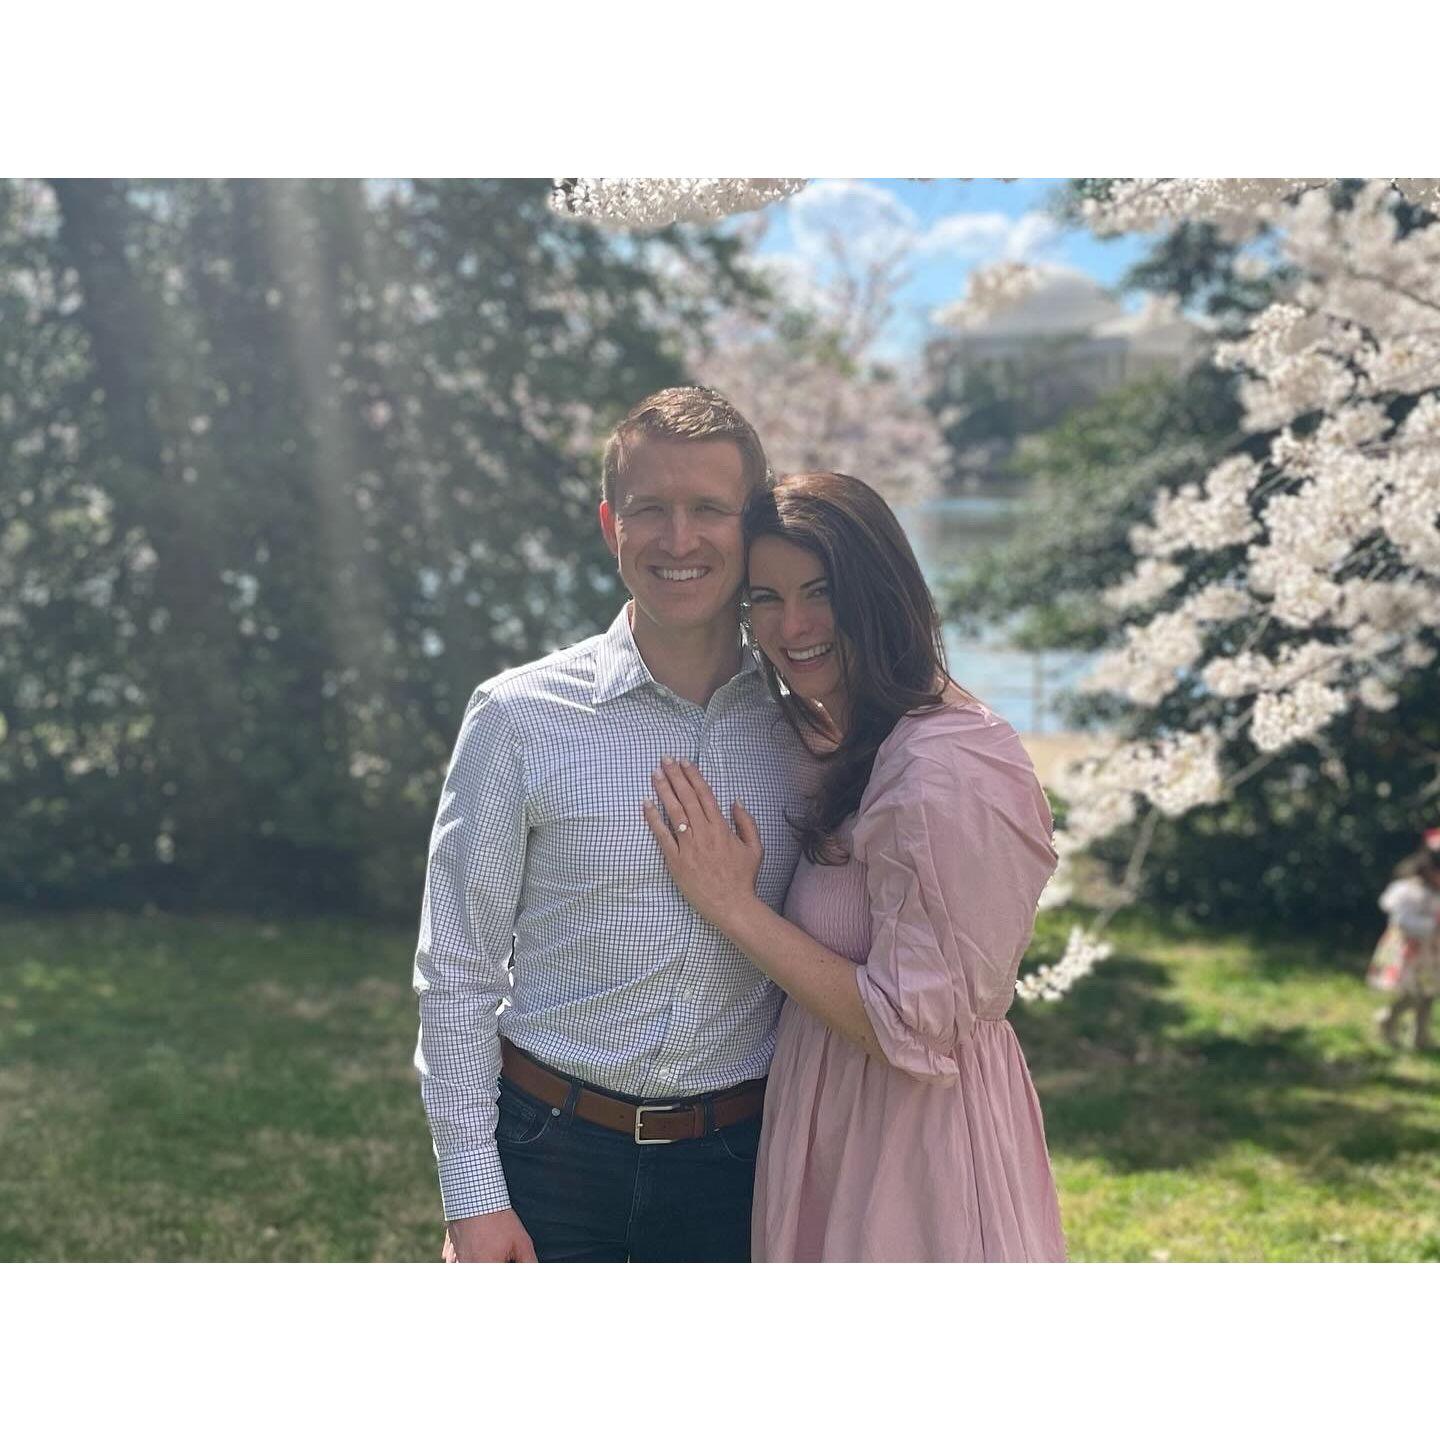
(675, 530)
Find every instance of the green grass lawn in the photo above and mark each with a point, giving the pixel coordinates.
(235, 1090)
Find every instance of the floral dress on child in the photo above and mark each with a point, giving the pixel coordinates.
(1407, 959)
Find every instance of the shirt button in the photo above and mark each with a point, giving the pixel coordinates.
(663, 1072)
(688, 993)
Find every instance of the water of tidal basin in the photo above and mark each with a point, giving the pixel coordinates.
(948, 534)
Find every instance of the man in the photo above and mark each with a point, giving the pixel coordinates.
(630, 1059)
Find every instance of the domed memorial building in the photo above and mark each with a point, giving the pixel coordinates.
(1011, 371)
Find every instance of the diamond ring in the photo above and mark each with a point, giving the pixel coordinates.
(681, 828)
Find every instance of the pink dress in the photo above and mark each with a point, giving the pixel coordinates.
(940, 1153)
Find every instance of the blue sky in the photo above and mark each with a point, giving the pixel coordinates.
(954, 225)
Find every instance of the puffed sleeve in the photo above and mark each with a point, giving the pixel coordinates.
(955, 833)
(1411, 906)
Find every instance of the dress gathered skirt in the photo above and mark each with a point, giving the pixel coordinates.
(936, 1152)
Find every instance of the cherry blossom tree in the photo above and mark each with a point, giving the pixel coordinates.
(1301, 579)
(811, 372)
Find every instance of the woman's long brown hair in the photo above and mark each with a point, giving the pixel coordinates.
(893, 658)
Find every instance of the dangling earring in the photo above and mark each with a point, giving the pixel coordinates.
(747, 635)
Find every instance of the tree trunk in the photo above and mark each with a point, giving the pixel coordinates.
(189, 691)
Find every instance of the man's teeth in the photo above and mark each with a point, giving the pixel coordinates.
(814, 652)
(681, 574)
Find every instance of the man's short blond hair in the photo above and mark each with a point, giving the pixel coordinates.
(680, 414)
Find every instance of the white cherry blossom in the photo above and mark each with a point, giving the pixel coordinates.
(1083, 951)
(1282, 718)
(648, 204)
(1202, 518)
(1150, 580)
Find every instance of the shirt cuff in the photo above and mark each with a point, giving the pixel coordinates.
(472, 1183)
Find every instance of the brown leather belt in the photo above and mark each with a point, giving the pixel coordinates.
(649, 1124)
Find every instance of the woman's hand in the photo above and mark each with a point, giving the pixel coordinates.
(714, 866)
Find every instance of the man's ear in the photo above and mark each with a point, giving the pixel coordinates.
(607, 527)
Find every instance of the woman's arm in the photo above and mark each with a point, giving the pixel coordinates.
(819, 979)
(715, 867)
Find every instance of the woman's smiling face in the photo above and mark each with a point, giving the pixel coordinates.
(793, 622)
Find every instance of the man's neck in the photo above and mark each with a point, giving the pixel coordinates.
(692, 663)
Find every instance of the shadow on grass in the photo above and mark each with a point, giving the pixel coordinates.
(1129, 1073)
(228, 1089)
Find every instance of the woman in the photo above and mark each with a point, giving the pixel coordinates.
(900, 1120)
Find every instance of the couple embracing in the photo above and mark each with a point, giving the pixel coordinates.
(678, 858)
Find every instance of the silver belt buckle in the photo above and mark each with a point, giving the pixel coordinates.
(640, 1120)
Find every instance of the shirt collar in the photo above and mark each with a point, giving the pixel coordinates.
(620, 668)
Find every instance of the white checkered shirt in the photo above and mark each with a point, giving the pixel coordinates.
(540, 851)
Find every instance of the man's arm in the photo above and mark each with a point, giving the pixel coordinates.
(467, 926)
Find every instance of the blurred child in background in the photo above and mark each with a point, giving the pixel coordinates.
(1407, 959)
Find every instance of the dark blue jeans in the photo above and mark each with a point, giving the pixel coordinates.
(585, 1193)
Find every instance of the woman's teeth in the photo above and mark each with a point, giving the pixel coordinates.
(813, 653)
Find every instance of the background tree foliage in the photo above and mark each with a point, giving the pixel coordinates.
(1088, 480)
(286, 468)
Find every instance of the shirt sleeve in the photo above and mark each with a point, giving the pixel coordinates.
(1411, 906)
(957, 849)
(467, 930)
